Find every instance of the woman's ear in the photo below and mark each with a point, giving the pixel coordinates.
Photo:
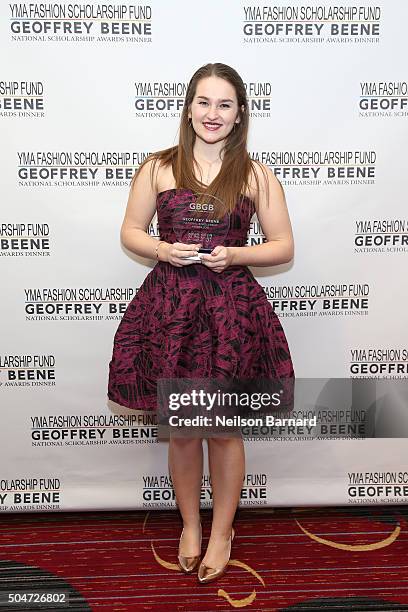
(243, 110)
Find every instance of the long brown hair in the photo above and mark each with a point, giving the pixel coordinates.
(233, 178)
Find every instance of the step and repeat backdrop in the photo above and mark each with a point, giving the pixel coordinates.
(87, 91)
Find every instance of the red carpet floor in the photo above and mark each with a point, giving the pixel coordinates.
(311, 559)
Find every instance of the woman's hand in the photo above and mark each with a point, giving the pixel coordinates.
(176, 253)
(220, 258)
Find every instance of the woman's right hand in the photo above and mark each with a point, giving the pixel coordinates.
(176, 253)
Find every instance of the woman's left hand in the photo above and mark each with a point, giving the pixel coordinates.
(220, 258)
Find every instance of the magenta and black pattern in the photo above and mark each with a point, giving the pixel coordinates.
(191, 322)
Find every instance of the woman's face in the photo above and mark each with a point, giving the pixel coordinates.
(214, 109)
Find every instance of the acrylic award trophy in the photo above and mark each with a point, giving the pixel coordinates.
(196, 223)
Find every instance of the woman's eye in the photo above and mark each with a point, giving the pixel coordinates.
(225, 105)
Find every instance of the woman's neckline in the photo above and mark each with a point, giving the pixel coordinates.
(187, 189)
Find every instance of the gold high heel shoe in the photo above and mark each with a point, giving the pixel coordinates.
(188, 564)
(207, 574)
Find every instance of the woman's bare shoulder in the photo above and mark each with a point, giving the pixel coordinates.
(261, 180)
(264, 173)
(158, 166)
(164, 179)
(256, 173)
(154, 168)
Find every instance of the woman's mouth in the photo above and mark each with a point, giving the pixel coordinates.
(212, 126)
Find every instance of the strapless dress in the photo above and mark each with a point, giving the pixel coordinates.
(192, 322)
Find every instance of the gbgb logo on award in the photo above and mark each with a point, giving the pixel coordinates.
(198, 222)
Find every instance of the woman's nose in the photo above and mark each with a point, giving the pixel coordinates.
(212, 113)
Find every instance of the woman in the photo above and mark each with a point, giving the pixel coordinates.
(207, 318)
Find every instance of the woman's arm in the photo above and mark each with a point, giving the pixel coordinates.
(275, 224)
(140, 210)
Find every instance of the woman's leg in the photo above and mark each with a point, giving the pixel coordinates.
(186, 471)
(227, 470)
